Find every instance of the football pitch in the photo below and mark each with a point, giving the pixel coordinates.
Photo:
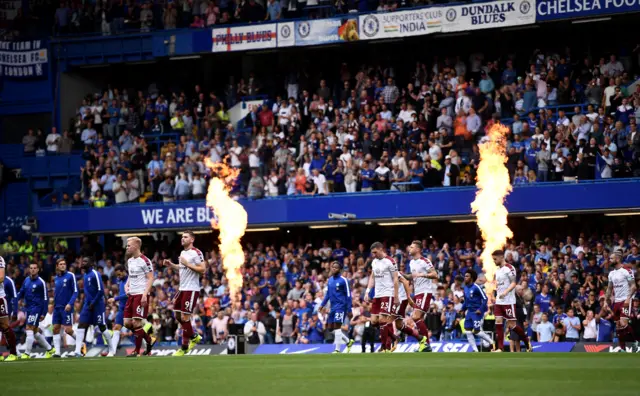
(353, 375)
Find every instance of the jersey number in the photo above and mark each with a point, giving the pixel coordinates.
(509, 311)
(32, 319)
(187, 304)
(626, 311)
(419, 302)
(384, 306)
(139, 310)
(477, 324)
(3, 309)
(339, 316)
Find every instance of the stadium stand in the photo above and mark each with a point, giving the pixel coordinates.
(374, 131)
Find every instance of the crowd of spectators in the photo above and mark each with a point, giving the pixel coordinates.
(117, 16)
(560, 282)
(368, 132)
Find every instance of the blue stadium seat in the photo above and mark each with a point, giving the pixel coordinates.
(59, 166)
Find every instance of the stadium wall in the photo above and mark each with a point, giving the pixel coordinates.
(431, 204)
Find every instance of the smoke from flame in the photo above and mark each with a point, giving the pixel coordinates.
(230, 220)
(493, 186)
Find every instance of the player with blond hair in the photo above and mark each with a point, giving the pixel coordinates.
(138, 287)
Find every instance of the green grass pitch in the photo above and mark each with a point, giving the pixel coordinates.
(581, 374)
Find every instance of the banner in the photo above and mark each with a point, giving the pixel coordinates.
(151, 216)
(97, 351)
(199, 350)
(326, 31)
(489, 15)
(401, 23)
(23, 59)
(601, 347)
(286, 35)
(438, 347)
(242, 38)
(549, 10)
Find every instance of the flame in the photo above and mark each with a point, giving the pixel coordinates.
(231, 221)
(493, 186)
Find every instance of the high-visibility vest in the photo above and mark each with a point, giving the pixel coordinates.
(8, 247)
(41, 247)
(62, 242)
(27, 249)
(99, 202)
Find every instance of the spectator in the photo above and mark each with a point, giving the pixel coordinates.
(572, 326)
(273, 13)
(256, 186)
(62, 16)
(219, 327)
(254, 330)
(120, 190)
(170, 16)
(319, 182)
(66, 143)
(198, 186)
(53, 141)
(451, 173)
(182, 189)
(133, 188)
(546, 330)
(89, 135)
(29, 142)
(166, 189)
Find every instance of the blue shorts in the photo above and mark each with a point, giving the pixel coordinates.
(33, 317)
(119, 318)
(473, 321)
(336, 316)
(95, 317)
(62, 317)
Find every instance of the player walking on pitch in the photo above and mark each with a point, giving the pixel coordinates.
(339, 296)
(36, 301)
(121, 299)
(474, 306)
(385, 281)
(191, 266)
(622, 287)
(138, 287)
(424, 277)
(505, 307)
(400, 311)
(65, 294)
(93, 309)
(6, 311)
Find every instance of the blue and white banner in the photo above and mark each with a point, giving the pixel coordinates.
(444, 347)
(549, 10)
(23, 59)
(286, 34)
(319, 31)
(585, 196)
(397, 24)
(494, 14)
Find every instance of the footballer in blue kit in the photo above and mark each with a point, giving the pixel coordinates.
(93, 309)
(474, 307)
(36, 301)
(65, 294)
(339, 296)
